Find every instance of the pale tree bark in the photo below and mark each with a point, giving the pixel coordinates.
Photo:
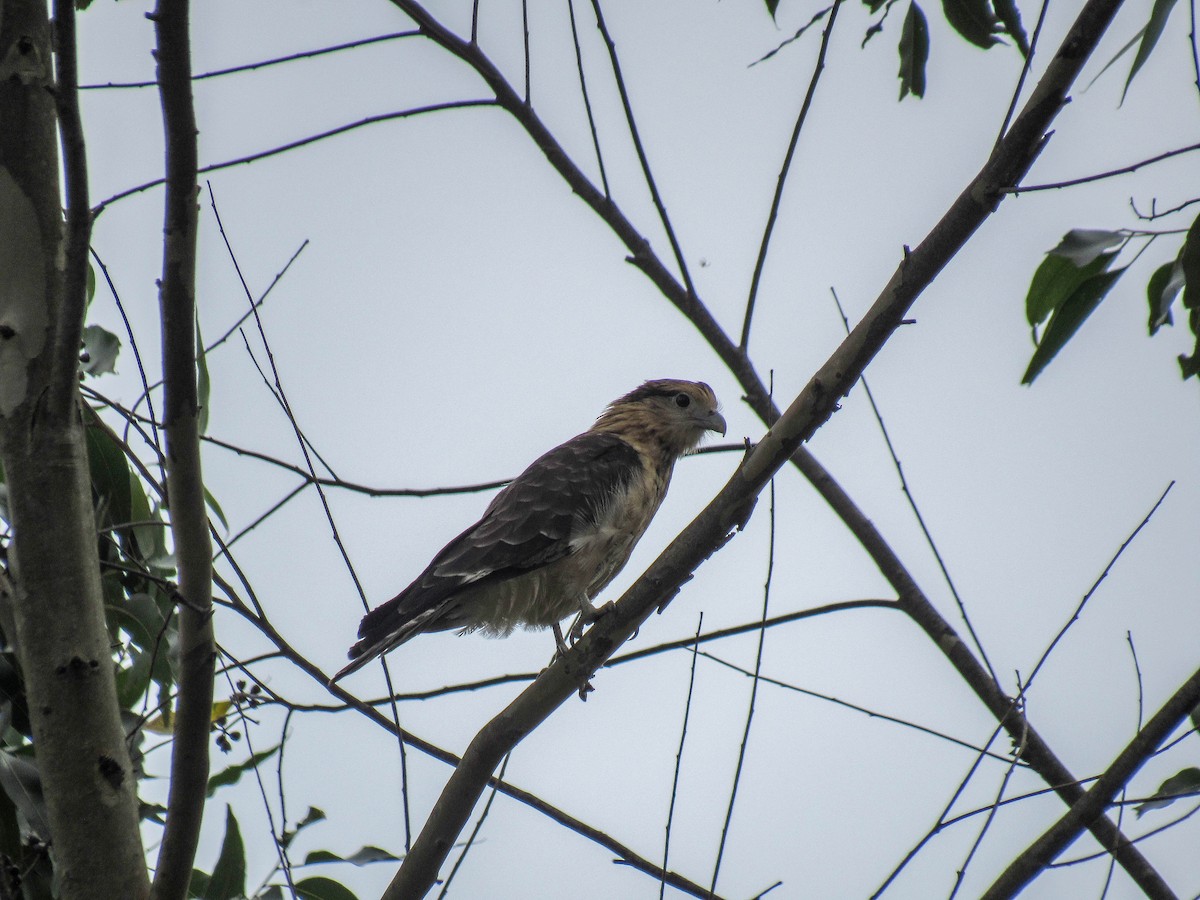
(60, 634)
(185, 485)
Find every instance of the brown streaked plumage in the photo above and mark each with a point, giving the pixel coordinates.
(557, 535)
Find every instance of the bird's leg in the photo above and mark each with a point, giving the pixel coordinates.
(560, 645)
(587, 615)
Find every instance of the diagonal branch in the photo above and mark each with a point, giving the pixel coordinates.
(185, 485)
(1004, 168)
(1091, 806)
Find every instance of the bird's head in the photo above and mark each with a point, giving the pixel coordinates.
(675, 414)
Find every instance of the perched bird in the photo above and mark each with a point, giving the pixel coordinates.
(556, 536)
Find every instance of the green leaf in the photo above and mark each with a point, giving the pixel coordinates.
(1010, 16)
(203, 384)
(100, 351)
(1186, 781)
(1055, 280)
(772, 5)
(134, 680)
(233, 773)
(364, 856)
(216, 508)
(1159, 14)
(873, 6)
(323, 889)
(914, 52)
(1189, 264)
(1067, 319)
(1082, 245)
(1162, 289)
(198, 886)
(973, 19)
(228, 880)
(91, 283)
(313, 816)
(110, 475)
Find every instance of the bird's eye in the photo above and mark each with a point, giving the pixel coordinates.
(683, 401)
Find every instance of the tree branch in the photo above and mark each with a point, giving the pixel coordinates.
(57, 626)
(1005, 167)
(185, 485)
(1091, 805)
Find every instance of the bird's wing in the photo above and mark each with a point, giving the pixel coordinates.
(529, 524)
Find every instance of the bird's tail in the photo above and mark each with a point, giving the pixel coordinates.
(382, 630)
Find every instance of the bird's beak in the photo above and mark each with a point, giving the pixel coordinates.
(714, 422)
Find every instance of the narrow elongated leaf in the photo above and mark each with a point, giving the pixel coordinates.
(1055, 280)
(1162, 289)
(216, 508)
(1189, 264)
(323, 889)
(203, 384)
(1159, 13)
(973, 19)
(233, 773)
(110, 475)
(228, 881)
(1010, 17)
(364, 856)
(198, 886)
(1082, 245)
(772, 5)
(1184, 782)
(1067, 319)
(914, 52)
(313, 816)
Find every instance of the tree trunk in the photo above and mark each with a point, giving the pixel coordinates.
(61, 638)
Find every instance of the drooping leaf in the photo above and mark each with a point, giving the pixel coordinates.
(772, 5)
(91, 283)
(216, 508)
(1055, 280)
(1183, 782)
(1189, 261)
(364, 856)
(198, 886)
(874, 5)
(1162, 289)
(313, 816)
(973, 19)
(164, 722)
(320, 888)
(1189, 264)
(1082, 245)
(914, 52)
(231, 774)
(100, 350)
(1067, 318)
(1010, 17)
(1159, 13)
(228, 881)
(22, 782)
(110, 474)
(134, 680)
(203, 384)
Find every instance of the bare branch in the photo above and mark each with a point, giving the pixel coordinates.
(185, 484)
(769, 228)
(1099, 176)
(1091, 806)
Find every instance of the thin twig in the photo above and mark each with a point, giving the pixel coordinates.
(912, 504)
(755, 681)
(687, 712)
(587, 103)
(302, 142)
(470, 842)
(619, 80)
(777, 200)
(1111, 173)
(262, 64)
